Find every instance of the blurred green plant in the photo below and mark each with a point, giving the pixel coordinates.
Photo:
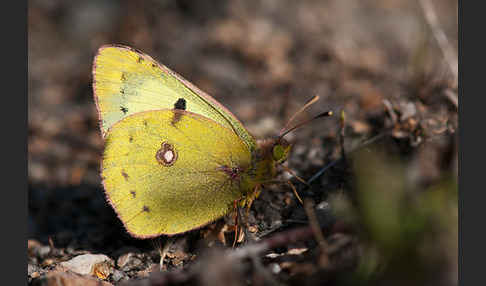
(408, 233)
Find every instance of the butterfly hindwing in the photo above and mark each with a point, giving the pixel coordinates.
(165, 177)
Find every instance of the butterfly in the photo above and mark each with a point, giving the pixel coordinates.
(175, 159)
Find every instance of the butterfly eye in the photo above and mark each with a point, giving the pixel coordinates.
(280, 151)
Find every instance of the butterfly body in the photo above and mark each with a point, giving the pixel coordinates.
(174, 158)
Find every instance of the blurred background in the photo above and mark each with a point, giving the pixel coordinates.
(390, 65)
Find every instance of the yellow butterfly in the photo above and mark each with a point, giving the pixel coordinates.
(175, 159)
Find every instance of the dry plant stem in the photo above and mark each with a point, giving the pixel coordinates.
(448, 52)
(51, 246)
(248, 251)
(335, 247)
(163, 250)
(391, 112)
(452, 96)
(274, 241)
(316, 229)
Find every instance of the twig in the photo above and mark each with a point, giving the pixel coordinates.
(249, 251)
(448, 52)
(274, 241)
(391, 112)
(452, 97)
(165, 249)
(316, 229)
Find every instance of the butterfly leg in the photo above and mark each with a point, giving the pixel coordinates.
(248, 203)
(235, 203)
(295, 191)
(253, 197)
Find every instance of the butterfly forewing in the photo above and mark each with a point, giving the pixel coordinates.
(126, 82)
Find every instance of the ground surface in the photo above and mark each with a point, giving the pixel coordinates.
(385, 211)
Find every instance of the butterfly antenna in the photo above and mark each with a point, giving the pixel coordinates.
(309, 103)
(324, 114)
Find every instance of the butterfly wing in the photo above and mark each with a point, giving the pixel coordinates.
(126, 82)
(164, 177)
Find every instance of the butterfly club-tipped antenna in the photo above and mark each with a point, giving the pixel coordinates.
(286, 130)
(281, 152)
(323, 114)
(302, 109)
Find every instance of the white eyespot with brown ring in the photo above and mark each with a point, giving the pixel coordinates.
(166, 155)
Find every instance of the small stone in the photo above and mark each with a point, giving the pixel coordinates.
(129, 261)
(273, 255)
(32, 244)
(178, 257)
(47, 262)
(31, 269)
(360, 127)
(35, 248)
(323, 206)
(102, 270)
(275, 268)
(97, 265)
(43, 251)
(297, 251)
(118, 275)
(408, 110)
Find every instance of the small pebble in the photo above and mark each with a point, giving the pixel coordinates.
(118, 275)
(129, 261)
(31, 269)
(98, 265)
(297, 251)
(323, 206)
(275, 268)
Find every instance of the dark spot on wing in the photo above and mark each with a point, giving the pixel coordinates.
(145, 123)
(180, 104)
(154, 65)
(123, 76)
(122, 90)
(130, 139)
(140, 59)
(124, 174)
(124, 109)
(146, 209)
(133, 193)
